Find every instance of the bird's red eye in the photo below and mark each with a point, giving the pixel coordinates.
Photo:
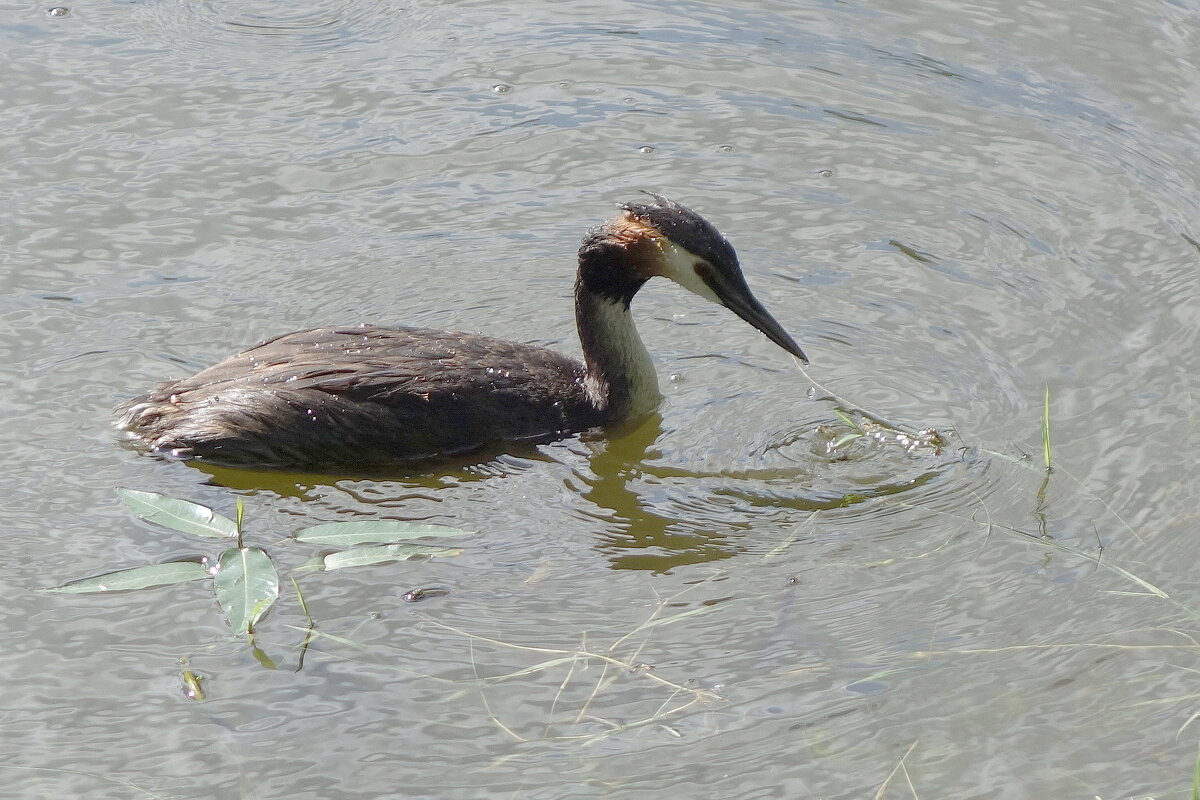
(703, 270)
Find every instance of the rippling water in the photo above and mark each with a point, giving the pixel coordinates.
(953, 207)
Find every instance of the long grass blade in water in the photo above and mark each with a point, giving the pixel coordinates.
(1046, 427)
(1196, 777)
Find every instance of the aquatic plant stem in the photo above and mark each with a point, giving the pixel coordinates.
(1046, 428)
(848, 404)
(898, 768)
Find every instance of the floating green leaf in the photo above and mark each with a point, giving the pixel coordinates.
(193, 688)
(246, 584)
(179, 515)
(844, 439)
(379, 554)
(844, 417)
(137, 578)
(347, 534)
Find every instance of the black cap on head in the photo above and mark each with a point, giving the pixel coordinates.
(721, 276)
(686, 228)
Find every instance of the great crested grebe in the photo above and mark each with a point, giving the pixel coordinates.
(372, 396)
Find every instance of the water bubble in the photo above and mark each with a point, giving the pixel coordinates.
(725, 148)
(501, 88)
(825, 173)
(646, 149)
(58, 11)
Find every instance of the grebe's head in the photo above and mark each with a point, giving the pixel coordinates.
(694, 254)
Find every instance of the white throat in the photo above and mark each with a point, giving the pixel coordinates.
(679, 265)
(620, 371)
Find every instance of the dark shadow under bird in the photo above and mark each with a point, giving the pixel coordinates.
(368, 396)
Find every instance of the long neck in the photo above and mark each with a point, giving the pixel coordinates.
(621, 381)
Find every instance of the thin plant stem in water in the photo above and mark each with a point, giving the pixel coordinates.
(1039, 512)
(618, 659)
(308, 636)
(1046, 427)
(239, 513)
(1196, 777)
(898, 768)
(837, 398)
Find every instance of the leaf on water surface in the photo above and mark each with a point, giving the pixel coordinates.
(379, 554)
(844, 417)
(137, 578)
(844, 439)
(179, 515)
(913, 253)
(347, 534)
(193, 688)
(246, 584)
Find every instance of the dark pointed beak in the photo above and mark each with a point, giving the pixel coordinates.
(740, 301)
